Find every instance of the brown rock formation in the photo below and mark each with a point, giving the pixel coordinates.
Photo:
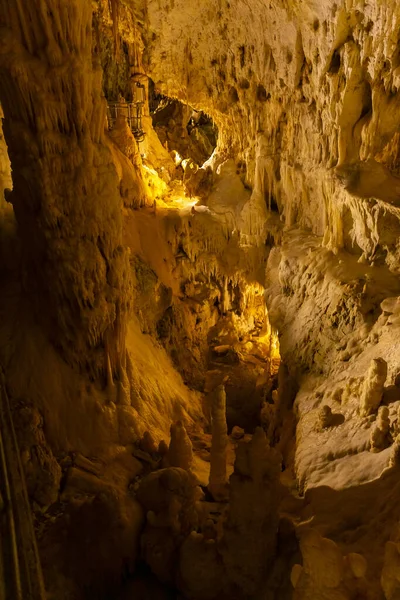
(250, 532)
(219, 444)
(180, 452)
(134, 279)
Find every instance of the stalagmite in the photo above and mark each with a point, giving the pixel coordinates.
(373, 387)
(147, 443)
(325, 573)
(219, 445)
(180, 452)
(380, 434)
(169, 496)
(250, 532)
(225, 303)
(325, 417)
(201, 574)
(394, 460)
(163, 448)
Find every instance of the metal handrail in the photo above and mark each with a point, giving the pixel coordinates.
(132, 112)
(20, 571)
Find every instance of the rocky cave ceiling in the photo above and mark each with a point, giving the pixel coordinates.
(199, 261)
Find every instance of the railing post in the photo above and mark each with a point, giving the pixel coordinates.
(132, 111)
(20, 570)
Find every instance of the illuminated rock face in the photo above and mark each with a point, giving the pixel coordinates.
(306, 101)
(317, 83)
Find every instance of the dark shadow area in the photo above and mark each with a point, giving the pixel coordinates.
(191, 133)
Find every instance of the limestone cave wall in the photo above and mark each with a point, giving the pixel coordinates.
(308, 93)
(144, 295)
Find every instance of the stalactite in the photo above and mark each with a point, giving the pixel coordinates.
(115, 8)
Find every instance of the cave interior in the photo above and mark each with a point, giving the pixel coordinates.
(200, 293)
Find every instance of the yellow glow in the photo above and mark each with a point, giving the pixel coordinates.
(150, 170)
(155, 186)
(185, 163)
(177, 158)
(185, 201)
(268, 337)
(178, 202)
(167, 196)
(275, 353)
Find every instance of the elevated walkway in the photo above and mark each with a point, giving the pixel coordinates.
(131, 111)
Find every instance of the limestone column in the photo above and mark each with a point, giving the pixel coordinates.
(65, 196)
(219, 445)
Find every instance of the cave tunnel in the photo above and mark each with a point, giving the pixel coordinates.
(199, 259)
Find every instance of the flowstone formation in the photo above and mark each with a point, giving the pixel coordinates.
(199, 218)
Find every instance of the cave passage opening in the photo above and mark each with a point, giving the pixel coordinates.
(244, 352)
(176, 151)
(189, 133)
